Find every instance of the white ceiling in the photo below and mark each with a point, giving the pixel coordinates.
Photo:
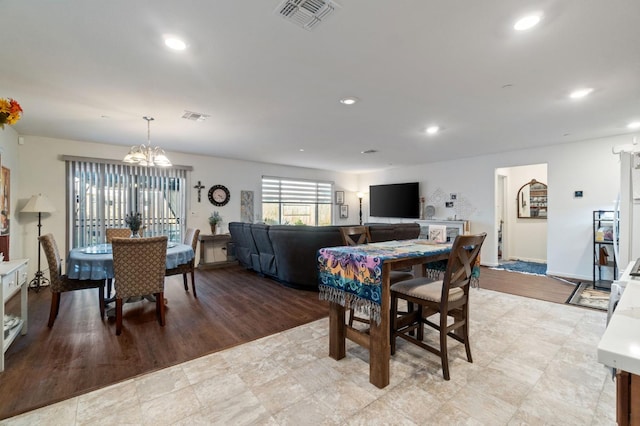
(89, 70)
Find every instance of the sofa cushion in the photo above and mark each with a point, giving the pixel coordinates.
(266, 255)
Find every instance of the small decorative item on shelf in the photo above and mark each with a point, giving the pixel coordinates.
(10, 112)
(214, 220)
(134, 222)
(422, 201)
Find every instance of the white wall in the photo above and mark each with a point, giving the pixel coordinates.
(9, 152)
(42, 171)
(589, 166)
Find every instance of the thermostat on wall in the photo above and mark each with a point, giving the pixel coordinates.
(577, 194)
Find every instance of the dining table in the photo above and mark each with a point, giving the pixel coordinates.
(95, 262)
(358, 277)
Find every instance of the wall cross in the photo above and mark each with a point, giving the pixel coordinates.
(199, 187)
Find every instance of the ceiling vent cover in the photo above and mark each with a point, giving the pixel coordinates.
(194, 116)
(306, 13)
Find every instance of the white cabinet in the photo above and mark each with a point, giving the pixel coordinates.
(453, 227)
(13, 275)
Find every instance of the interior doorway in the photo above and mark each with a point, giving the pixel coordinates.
(520, 236)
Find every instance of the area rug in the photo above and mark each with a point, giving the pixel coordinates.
(521, 266)
(586, 295)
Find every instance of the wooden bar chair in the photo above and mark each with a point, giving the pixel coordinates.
(448, 297)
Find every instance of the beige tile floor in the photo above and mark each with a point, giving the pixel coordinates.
(534, 363)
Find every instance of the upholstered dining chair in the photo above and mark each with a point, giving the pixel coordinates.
(138, 266)
(111, 233)
(62, 283)
(190, 238)
(360, 234)
(448, 297)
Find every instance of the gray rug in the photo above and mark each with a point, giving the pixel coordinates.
(585, 295)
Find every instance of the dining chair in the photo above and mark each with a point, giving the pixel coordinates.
(62, 283)
(139, 265)
(360, 234)
(110, 234)
(190, 238)
(448, 297)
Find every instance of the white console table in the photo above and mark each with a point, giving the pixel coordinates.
(13, 275)
(454, 227)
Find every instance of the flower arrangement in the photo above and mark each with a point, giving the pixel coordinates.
(133, 221)
(215, 218)
(10, 112)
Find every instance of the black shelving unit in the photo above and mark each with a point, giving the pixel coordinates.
(605, 267)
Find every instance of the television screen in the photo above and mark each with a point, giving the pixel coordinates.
(400, 200)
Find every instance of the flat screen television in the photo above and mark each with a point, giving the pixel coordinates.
(400, 200)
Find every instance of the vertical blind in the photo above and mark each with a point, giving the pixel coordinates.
(100, 194)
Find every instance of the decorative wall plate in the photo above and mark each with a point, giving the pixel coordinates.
(429, 211)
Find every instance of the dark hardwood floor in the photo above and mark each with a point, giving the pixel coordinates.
(82, 353)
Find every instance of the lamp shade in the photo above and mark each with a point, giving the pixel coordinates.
(38, 204)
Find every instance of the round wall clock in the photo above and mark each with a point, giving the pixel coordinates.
(219, 195)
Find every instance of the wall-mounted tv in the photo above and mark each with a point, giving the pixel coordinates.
(400, 200)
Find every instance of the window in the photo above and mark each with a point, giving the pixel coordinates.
(296, 202)
(100, 193)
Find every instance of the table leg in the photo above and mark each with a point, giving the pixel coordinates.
(380, 347)
(337, 331)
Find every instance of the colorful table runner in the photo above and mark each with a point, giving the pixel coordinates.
(352, 275)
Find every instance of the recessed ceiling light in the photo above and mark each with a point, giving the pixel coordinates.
(634, 125)
(580, 93)
(174, 43)
(432, 130)
(301, 149)
(527, 22)
(349, 101)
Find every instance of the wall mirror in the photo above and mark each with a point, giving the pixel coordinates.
(532, 200)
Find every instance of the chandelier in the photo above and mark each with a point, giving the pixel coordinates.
(144, 155)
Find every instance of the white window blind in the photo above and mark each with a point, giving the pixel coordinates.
(296, 201)
(102, 193)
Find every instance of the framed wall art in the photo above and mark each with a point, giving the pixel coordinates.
(339, 197)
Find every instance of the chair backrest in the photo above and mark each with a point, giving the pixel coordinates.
(112, 233)
(191, 238)
(53, 259)
(355, 235)
(139, 265)
(464, 252)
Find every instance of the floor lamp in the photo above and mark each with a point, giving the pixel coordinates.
(360, 196)
(38, 204)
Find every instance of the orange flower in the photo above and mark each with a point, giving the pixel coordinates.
(10, 112)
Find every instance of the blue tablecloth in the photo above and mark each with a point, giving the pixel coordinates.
(96, 262)
(352, 275)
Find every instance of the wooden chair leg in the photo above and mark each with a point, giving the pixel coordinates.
(109, 286)
(118, 316)
(55, 304)
(193, 283)
(184, 282)
(465, 331)
(101, 300)
(394, 322)
(444, 354)
(160, 308)
(352, 312)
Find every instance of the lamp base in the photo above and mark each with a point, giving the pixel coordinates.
(38, 281)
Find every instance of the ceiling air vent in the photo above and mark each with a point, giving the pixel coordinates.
(306, 13)
(194, 116)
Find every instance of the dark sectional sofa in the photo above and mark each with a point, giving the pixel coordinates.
(289, 253)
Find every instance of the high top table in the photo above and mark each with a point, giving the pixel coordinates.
(358, 276)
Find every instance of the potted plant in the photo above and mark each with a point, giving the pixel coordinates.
(214, 220)
(134, 222)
